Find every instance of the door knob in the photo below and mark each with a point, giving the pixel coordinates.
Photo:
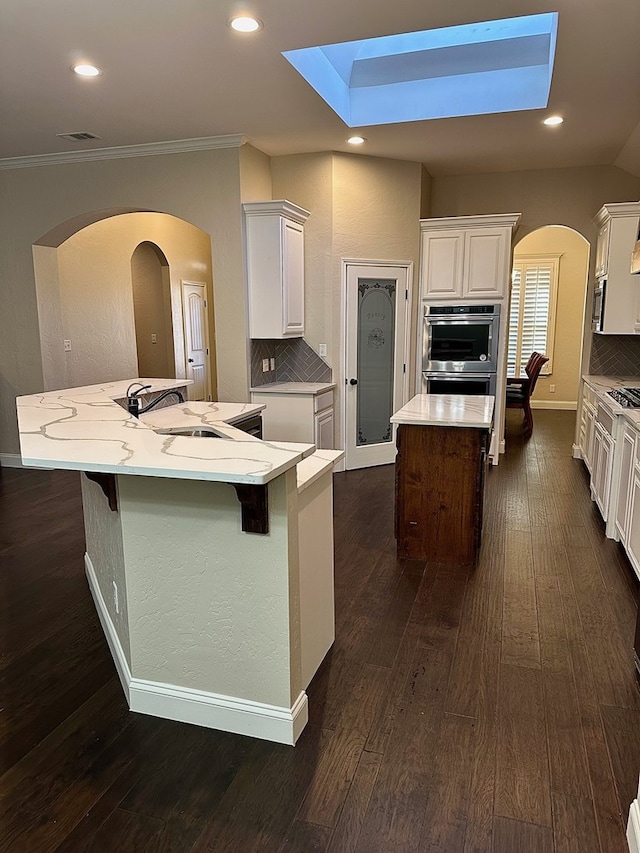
(190, 360)
(353, 382)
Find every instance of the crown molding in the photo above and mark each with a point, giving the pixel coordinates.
(176, 146)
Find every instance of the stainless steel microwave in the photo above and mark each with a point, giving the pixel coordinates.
(597, 315)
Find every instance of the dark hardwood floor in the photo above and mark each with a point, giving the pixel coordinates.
(487, 710)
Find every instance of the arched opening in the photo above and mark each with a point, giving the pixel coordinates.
(541, 254)
(91, 328)
(151, 285)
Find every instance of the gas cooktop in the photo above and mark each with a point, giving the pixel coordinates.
(627, 397)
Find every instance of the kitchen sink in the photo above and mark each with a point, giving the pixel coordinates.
(194, 432)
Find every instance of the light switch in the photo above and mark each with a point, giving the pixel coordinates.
(265, 365)
(322, 350)
(272, 364)
(154, 339)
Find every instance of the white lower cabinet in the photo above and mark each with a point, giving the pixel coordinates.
(625, 482)
(602, 466)
(297, 415)
(633, 534)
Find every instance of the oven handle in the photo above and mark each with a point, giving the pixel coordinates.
(466, 320)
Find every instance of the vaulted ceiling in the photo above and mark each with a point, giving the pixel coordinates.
(174, 70)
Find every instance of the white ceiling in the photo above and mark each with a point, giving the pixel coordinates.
(174, 70)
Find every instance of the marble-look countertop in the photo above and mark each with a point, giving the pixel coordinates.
(314, 466)
(602, 384)
(452, 410)
(293, 388)
(85, 429)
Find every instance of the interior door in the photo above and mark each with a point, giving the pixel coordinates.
(375, 360)
(196, 338)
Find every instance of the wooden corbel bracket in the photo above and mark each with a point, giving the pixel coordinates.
(254, 500)
(107, 483)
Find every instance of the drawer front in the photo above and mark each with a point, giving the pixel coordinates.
(605, 418)
(323, 401)
(589, 395)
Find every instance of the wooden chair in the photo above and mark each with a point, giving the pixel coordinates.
(519, 390)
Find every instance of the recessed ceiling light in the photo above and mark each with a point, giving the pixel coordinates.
(356, 140)
(552, 121)
(85, 70)
(245, 24)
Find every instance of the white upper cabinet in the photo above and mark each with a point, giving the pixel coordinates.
(617, 234)
(466, 257)
(602, 249)
(275, 268)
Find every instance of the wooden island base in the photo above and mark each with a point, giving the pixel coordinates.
(440, 472)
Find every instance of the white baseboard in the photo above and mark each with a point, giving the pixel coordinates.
(565, 405)
(11, 460)
(576, 452)
(241, 716)
(113, 641)
(199, 707)
(633, 828)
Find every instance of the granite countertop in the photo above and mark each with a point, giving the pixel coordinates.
(293, 388)
(602, 384)
(452, 410)
(85, 429)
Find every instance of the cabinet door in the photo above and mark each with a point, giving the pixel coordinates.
(292, 278)
(441, 264)
(602, 249)
(633, 536)
(485, 262)
(624, 483)
(324, 429)
(587, 450)
(596, 448)
(606, 471)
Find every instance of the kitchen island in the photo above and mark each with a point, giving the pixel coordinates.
(204, 548)
(442, 443)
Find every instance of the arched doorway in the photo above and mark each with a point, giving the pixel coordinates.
(84, 272)
(568, 251)
(153, 319)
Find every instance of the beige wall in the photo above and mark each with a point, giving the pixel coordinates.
(362, 208)
(96, 294)
(569, 197)
(201, 187)
(572, 287)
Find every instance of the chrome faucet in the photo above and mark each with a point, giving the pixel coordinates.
(133, 401)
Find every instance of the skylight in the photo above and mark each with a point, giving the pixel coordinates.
(489, 67)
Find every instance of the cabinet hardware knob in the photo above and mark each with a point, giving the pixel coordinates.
(353, 382)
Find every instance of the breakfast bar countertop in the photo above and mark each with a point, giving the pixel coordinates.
(85, 429)
(452, 410)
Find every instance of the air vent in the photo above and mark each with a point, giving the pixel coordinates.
(79, 136)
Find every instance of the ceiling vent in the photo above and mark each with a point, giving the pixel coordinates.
(79, 136)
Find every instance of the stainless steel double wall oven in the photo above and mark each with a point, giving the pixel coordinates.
(460, 349)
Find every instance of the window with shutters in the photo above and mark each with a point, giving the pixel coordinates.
(532, 313)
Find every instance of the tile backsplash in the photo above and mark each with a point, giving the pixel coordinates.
(296, 361)
(615, 355)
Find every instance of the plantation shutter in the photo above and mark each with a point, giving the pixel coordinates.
(514, 323)
(531, 313)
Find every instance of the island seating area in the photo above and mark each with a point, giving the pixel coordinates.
(209, 619)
